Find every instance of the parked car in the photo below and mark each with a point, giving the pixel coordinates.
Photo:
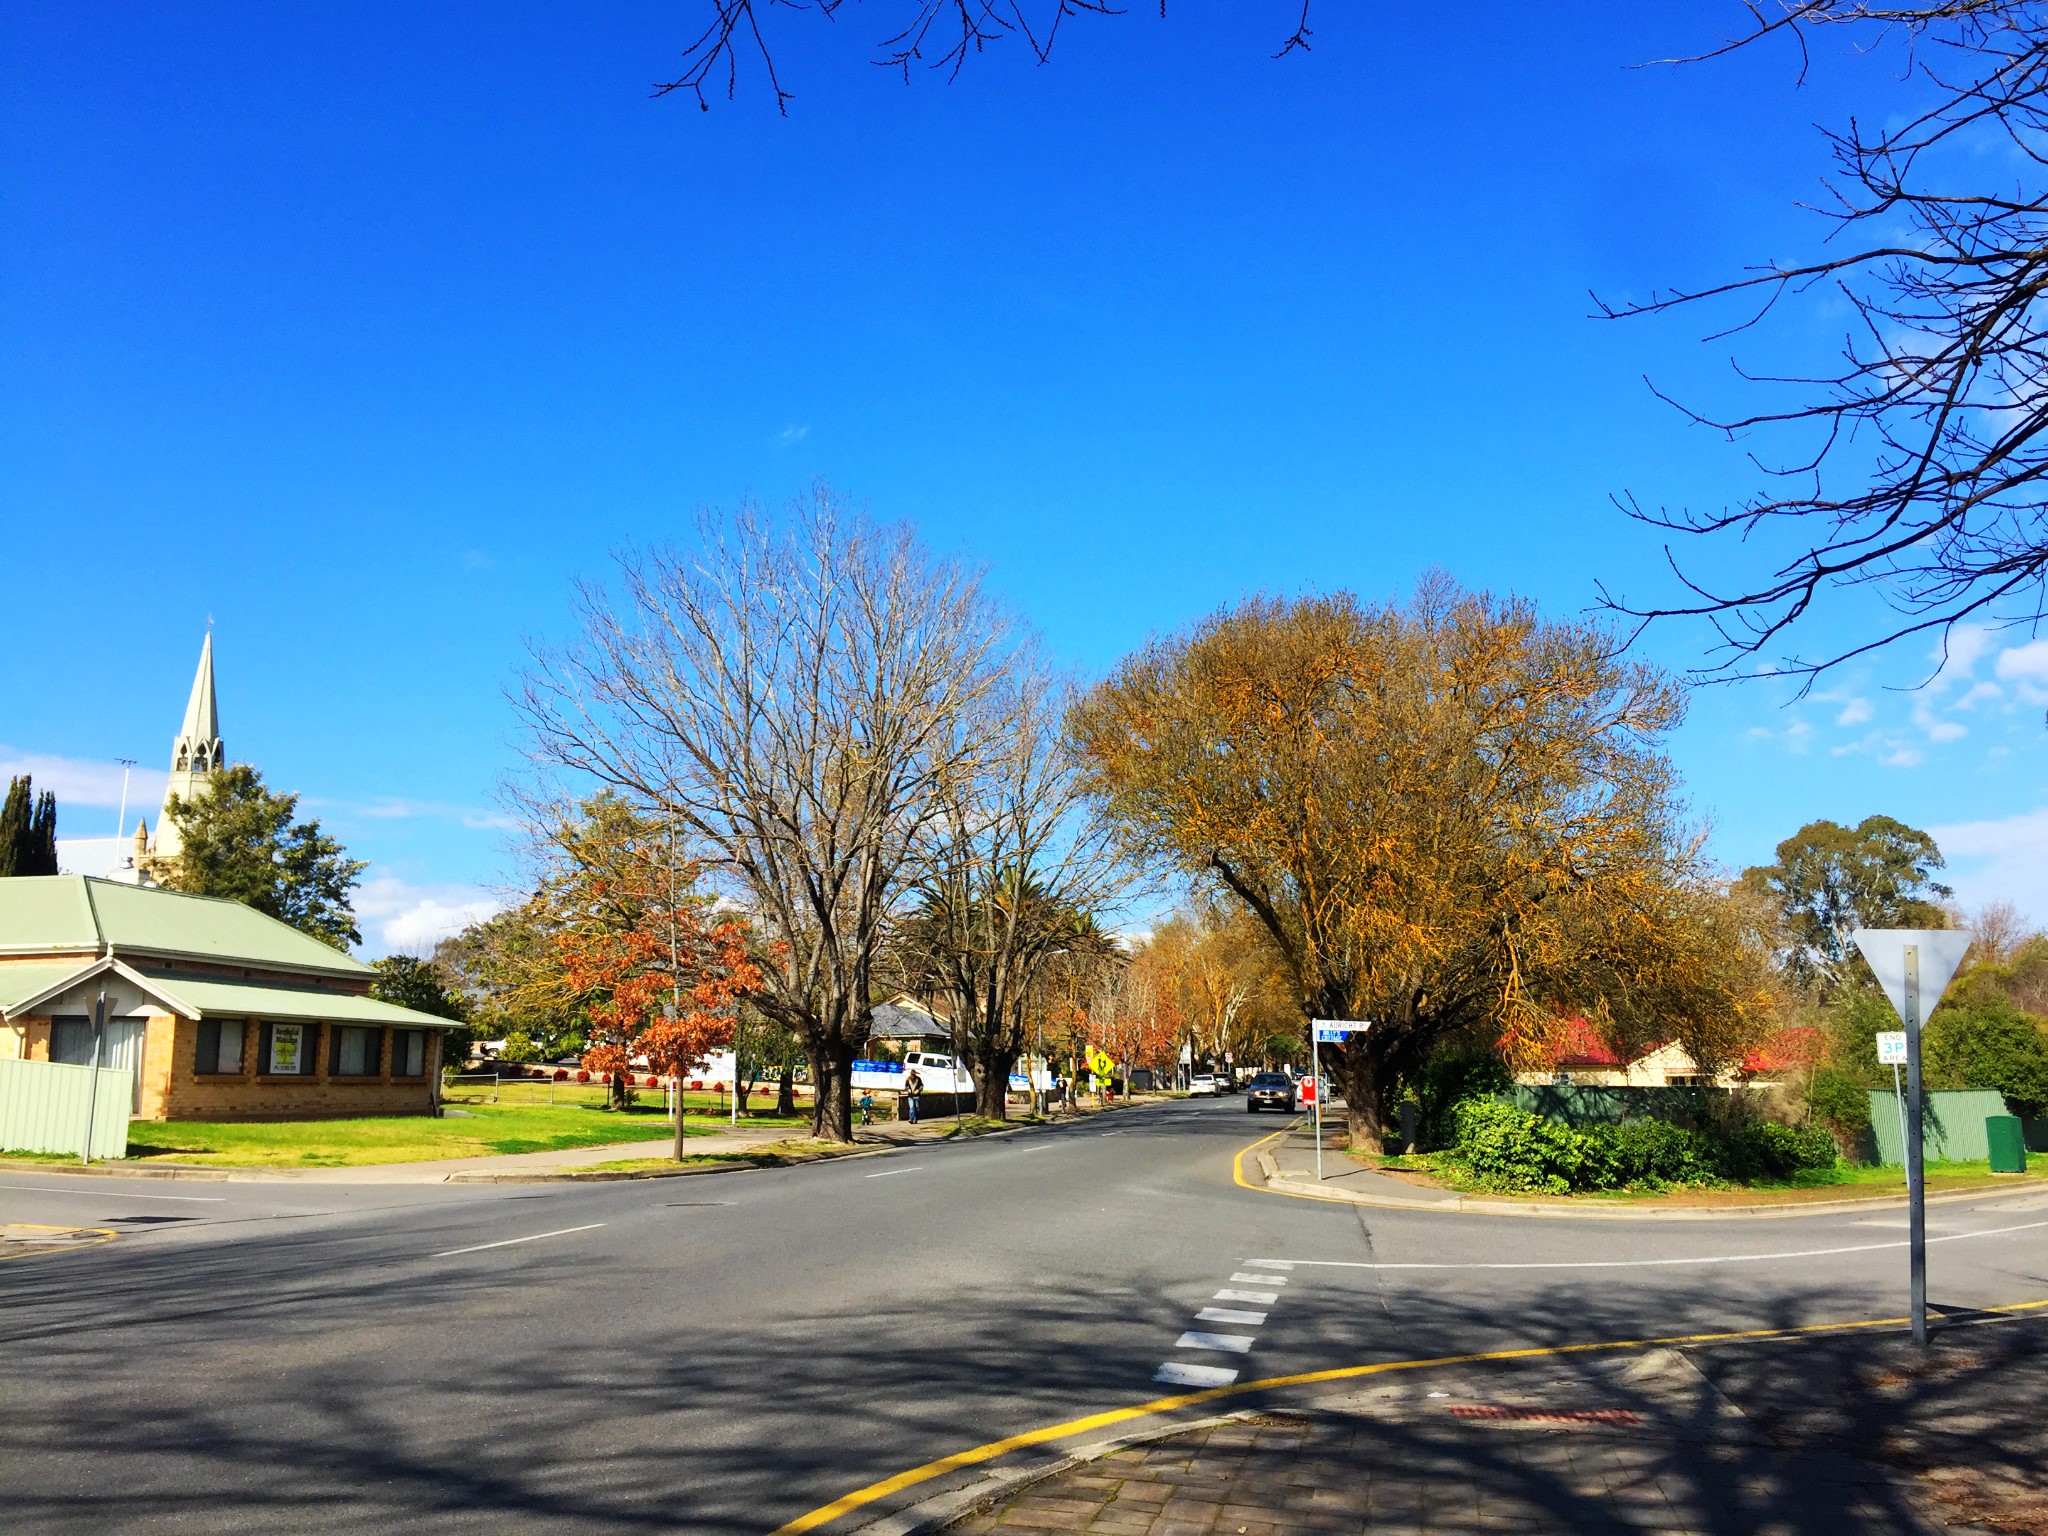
(1202, 1086)
(1269, 1090)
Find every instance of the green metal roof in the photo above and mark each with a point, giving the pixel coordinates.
(222, 997)
(22, 979)
(44, 914)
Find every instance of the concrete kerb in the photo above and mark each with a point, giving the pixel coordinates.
(1466, 1205)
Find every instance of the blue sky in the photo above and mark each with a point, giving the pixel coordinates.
(366, 329)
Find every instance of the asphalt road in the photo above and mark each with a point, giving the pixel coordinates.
(725, 1352)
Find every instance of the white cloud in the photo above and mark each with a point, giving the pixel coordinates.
(1904, 757)
(1959, 651)
(412, 918)
(1855, 712)
(397, 808)
(2029, 661)
(2001, 860)
(1937, 729)
(85, 781)
(794, 434)
(1980, 693)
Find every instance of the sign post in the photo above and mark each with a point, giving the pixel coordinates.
(1334, 1031)
(1914, 965)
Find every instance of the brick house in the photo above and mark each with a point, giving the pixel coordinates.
(220, 1012)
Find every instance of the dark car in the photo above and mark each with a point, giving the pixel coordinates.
(1269, 1090)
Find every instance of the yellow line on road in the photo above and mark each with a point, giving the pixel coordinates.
(846, 1504)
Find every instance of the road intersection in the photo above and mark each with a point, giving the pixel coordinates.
(736, 1352)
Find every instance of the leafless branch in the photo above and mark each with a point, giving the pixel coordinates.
(1916, 464)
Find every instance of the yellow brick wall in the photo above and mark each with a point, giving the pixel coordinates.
(186, 1095)
(26, 1039)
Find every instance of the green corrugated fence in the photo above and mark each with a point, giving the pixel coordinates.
(1953, 1125)
(43, 1108)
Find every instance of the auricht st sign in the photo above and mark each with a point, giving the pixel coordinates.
(1914, 965)
(1326, 1032)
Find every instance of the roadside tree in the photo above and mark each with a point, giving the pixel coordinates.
(1441, 813)
(791, 691)
(1020, 859)
(239, 840)
(1831, 880)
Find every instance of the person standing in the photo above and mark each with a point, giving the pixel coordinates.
(913, 1085)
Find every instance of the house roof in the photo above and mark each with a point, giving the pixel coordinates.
(72, 914)
(226, 997)
(24, 987)
(904, 1019)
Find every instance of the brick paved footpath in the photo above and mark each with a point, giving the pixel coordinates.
(1834, 1435)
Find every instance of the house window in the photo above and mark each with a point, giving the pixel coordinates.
(220, 1048)
(71, 1041)
(353, 1051)
(287, 1050)
(408, 1053)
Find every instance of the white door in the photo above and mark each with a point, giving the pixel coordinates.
(121, 1047)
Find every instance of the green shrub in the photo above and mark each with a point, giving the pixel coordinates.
(1645, 1154)
(1990, 1045)
(1840, 1100)
(1510, 1149)
(1450, 1077)
(1768, 1151)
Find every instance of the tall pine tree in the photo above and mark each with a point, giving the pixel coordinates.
(28, 830)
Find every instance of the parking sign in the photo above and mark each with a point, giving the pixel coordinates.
(1891, 1047)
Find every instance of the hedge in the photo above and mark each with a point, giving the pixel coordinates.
(1510, 1149)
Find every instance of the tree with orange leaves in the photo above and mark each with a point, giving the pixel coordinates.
(1445, 815)
(654, 971)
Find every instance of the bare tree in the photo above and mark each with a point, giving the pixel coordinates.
(941, 35)
(1021, 862)
(792, 691)
(1915, 464)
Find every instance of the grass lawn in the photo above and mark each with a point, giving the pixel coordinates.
(482, 1130)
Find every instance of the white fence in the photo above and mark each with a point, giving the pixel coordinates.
(44, 1107)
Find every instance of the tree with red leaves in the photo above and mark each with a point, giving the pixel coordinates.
(657, 973)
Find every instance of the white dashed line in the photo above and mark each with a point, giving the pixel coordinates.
(1267, 1297)
(1228, 1343)
(508, 1242)
(1226, 1315)
(892, 1172)
(1260, 1279)
(117, 1194)
(1182, 1373)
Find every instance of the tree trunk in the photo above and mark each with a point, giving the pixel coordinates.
(832, 1087)
(1365, 1083)
(785, 1092)
(992, 1084)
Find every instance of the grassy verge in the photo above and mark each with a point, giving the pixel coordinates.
(1844, 1180)
(482, 1130)
(769, 1154)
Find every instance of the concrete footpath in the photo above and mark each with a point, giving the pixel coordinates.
(1819, 1433)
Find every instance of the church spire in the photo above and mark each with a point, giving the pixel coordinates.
(197, 753)
(200, 739)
